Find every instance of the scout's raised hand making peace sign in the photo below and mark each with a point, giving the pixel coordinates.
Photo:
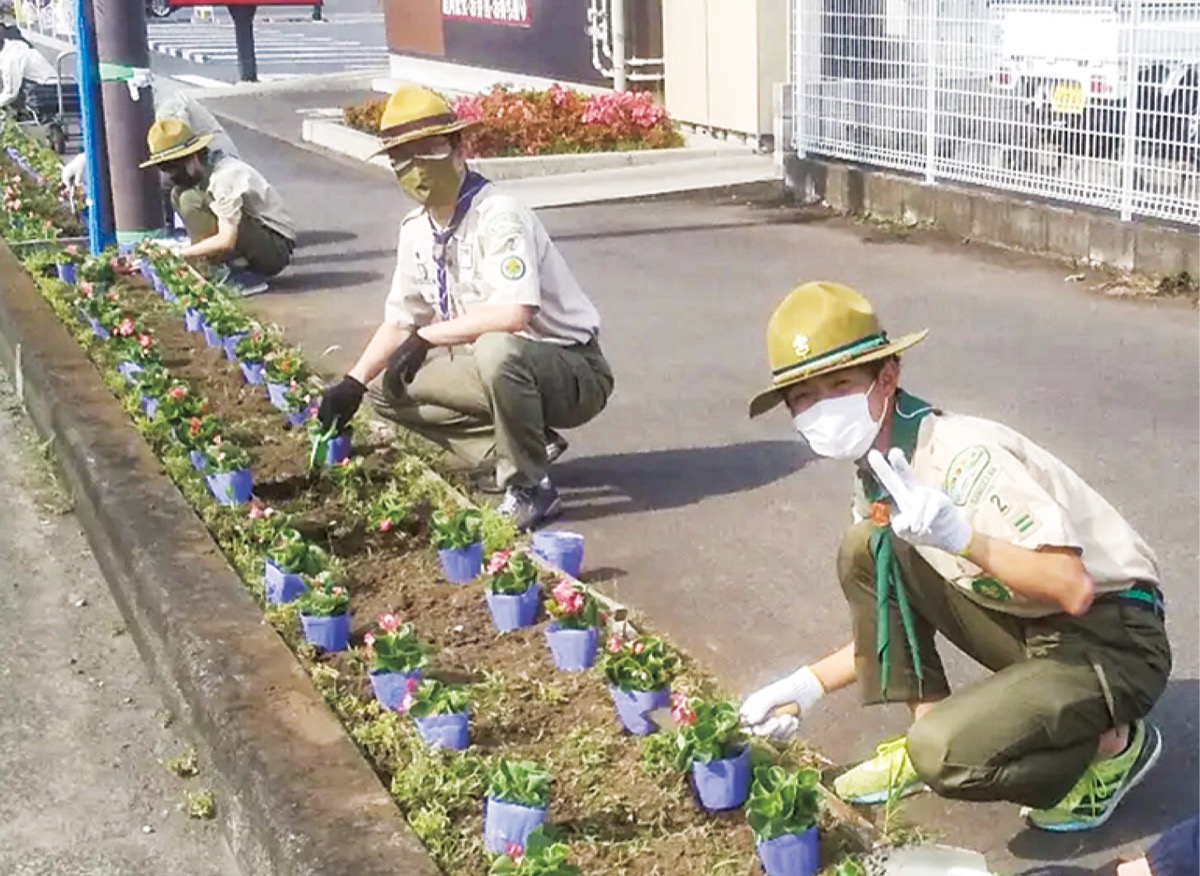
(994, 543)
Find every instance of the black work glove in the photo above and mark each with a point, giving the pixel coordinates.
(404, 364)
(340, 403)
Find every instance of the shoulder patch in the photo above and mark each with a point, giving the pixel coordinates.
(502, 232)
(990, 588)
(512, 268)
(964, 471)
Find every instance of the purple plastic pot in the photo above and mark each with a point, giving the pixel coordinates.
(231, 487)
(723, 784)
(327, 633)
(230, 342)
(98, 330)
(634, 705)
(211, 337)
(338, 450)
(297, 419)
(462, 565)
(573, 650)
(199, 463)
(193, 320)
(169, 296)
(515, 612)
(129, 370)
(252, 372)
(452, 732)
(149, 407)
(280, 586)
(792, 854)
(67, 273)
(147, 271)
(505, 823)
(160, 288)
(276, 393)
(390, 687)
(563, 550)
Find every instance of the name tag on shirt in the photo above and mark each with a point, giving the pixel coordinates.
(466, 256)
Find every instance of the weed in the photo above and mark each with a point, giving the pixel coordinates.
(186, 764)
(199, 804)
(1181, 284)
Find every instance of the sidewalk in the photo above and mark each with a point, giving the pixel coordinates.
(715, 526)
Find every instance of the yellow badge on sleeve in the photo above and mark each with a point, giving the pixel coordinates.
(512, 268)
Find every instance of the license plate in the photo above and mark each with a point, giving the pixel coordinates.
(1067, 98)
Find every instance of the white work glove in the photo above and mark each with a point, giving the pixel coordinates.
(924, 515)
(74, 170)
(801, 689)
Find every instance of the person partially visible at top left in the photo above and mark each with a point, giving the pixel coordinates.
(20, 63)
(233, 216)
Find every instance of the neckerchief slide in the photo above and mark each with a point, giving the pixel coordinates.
(472, 185)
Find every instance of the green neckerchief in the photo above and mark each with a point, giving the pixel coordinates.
(907, 414)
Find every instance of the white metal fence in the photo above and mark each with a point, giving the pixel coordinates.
(53, 19)
(1082, 101)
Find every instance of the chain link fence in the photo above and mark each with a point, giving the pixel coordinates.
(1084, 102)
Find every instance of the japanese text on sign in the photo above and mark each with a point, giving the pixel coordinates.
(488, 11)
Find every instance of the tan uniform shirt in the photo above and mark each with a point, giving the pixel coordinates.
(1011, 489)
(238, 188)
(501, 254)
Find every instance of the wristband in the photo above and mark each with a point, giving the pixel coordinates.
(970, 544)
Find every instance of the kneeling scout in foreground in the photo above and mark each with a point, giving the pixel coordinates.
(968, 529)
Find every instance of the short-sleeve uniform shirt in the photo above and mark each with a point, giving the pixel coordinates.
(1011, 489)
(500, 254)
(238, 189)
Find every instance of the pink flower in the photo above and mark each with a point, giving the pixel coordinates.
(411, 685)
(338, 591)
(639, 647)
(515, 851)
(145, 341)
(498, 561)
(72, 249)
(345, 463)
(614, 645)
(369, 639)
(256, 512)
(125, 329)
(558, 95)
(389, 623)
(385, 525)
(176, 393)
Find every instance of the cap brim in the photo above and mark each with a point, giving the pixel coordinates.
(422, 133)
(191, 148)
(769, 398)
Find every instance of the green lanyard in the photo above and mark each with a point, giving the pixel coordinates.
(907, 414)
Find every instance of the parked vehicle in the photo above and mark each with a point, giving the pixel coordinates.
(159, 8)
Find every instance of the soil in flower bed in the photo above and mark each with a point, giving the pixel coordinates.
(619, 814)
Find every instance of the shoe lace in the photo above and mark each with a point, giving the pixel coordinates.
(1090, 793)
(514, 498)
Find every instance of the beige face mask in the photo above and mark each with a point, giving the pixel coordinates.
(430, 180)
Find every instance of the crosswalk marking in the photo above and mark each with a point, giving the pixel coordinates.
(215, 43)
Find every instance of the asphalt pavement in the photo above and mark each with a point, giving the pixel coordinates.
(82, 732)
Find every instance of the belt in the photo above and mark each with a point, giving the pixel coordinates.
(1143, 594)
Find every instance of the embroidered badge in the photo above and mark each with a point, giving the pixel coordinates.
(502, 232)
(990, 588)
(964, 470)
(512, 268)
(801, 346)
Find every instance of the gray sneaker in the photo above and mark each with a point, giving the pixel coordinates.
(247, 283)
(529, 507)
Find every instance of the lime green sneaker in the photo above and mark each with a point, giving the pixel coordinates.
(1095, 796)
(888, 775)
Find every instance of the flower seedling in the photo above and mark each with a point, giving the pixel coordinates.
(708, 731)
(782, 802)
(540, 856)
(180, 405)
(226, 318)
(201, 431)
(223, 456)
(511, 572)
(574, 607)
(391, 510)
(138, 347)
(429, 698)
(457, 529)
(394, 647)
(255, 347)
(153, 381)
(98, 269)
(523, 782)
(325, 596)
(290, 553)
(284, 366)
(642, 664)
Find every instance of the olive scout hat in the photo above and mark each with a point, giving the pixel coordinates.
(413, 113)
(170, 140)
(821, 327)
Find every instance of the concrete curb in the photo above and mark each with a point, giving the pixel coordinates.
(333, 135)
(295, 796)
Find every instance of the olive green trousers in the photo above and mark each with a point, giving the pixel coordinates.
(264, 249)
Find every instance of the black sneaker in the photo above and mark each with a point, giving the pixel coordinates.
(556, 445)
(530, 507)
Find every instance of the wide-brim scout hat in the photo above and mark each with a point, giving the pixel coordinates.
(170, 140)
(818, 328)
(413, 113)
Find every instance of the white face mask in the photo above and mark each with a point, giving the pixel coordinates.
(839, 428)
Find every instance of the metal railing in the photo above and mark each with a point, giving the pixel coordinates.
(52, 19)
(1081, 101)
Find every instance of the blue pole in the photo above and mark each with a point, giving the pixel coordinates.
(100, 226)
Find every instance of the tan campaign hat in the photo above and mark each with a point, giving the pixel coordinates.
(413, 113)
(170, 140)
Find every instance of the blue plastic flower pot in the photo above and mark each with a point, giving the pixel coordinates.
(276, 393)
(723, 784)
(462, 565)
(193, 320)
(296, 419)
(98, 330)
(338, 450)
(573, 650)
(327, 633)
(67, 273)
(505, 823)
(147, 271)
(451, 732)
(252, 372)
(211, 337)
(230, 342)
(199, 463)
(129, 370)
(562, 550)
(792, 854)
(149, 407)
(169, 296)
(634, 705)
(231, 487)
(515, 612)
(281, 586)
(389, 687)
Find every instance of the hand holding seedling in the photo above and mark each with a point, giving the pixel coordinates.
(924, 515)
